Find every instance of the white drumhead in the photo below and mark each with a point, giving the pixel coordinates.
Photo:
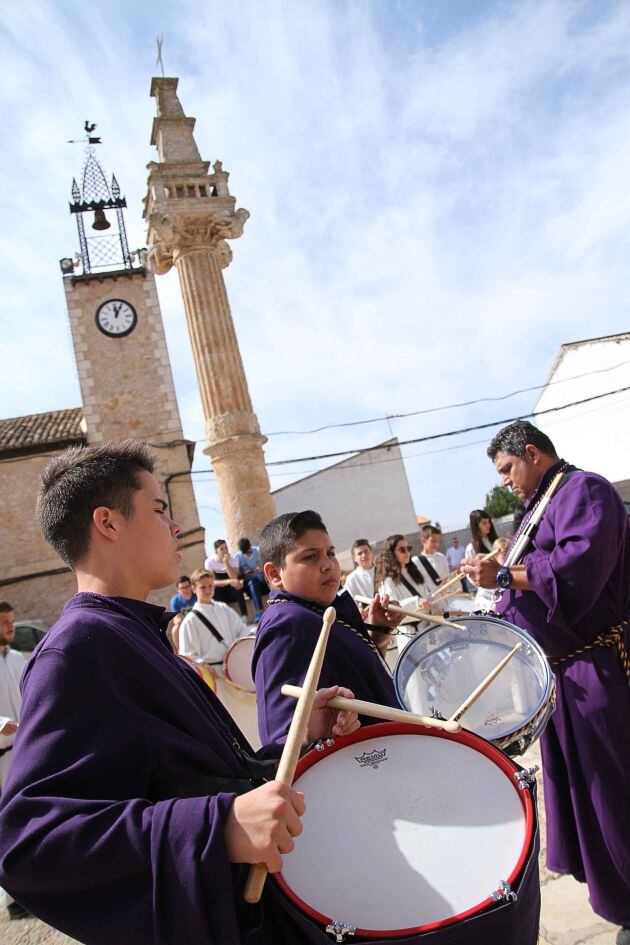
(404, 830)
(238, 663)
(463, 603)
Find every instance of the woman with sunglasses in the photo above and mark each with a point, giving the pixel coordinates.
(404, 579)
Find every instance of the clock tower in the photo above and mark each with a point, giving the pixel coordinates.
(121, 355)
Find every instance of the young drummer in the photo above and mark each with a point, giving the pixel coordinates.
(133, 796)
(301, 569)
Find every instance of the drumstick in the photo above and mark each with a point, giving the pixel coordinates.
(416, 614)
(483, 685)
(458, 576)
(377, 711)
(295, 740)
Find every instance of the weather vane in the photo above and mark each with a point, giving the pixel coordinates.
(88, 128)
(158, 62)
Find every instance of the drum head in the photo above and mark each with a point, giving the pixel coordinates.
(441, 666)
(406, 829)
(238, 663)
(459, 603)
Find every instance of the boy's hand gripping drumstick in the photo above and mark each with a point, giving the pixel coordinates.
(483, 685)
(295, 740)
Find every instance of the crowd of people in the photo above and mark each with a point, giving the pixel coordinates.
(128, 772)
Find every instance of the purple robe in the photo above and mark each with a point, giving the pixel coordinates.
(112, 718)
(579, 574)
(285, 641)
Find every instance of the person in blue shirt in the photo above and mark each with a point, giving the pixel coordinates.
(185, 597)
(251, 572)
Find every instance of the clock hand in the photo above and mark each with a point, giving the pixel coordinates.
(117, 308)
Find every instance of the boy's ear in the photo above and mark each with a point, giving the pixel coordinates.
(107, 522)
(272, 575)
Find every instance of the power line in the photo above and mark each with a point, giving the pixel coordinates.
(465, 403)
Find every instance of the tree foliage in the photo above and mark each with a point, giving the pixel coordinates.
(501, 501)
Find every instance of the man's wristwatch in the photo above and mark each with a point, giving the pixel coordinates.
(504, 578)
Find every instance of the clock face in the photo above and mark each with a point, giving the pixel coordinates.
(116, 318)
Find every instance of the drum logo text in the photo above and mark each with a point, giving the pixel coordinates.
(371, 759)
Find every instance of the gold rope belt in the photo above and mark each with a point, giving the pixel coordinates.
(613, 636)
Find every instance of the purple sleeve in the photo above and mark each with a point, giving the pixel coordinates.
(587, 529)
(83, 848)
(283, 657)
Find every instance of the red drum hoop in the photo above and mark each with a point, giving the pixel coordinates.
(377, 737)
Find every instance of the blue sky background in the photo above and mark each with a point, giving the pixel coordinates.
(438, 196)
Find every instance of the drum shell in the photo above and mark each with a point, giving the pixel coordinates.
(505, 922)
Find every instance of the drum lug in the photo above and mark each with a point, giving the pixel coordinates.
(504, 891)
(322, 744)
(526, 777)
(340, 930)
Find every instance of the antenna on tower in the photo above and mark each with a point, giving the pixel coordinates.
(158, 62)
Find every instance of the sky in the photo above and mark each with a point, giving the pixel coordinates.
(438, 196)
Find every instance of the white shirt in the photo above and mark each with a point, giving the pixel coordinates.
(197, 642)
(439, 563)
(12, 665)
(360, 581)
(471, 553)
(213, 564)
(455, 556)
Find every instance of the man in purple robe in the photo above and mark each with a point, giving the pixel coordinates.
(302, 570)
(134, 802)
(572, 594)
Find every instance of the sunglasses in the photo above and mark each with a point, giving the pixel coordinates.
(408, 548)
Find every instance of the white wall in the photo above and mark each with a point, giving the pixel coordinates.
(593, 436)
(366, 496)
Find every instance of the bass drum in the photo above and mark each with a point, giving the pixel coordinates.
(412, 833)
(441, 666)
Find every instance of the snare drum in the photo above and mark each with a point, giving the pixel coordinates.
(441, 666)
(237, 664)
(459, 604)
(409, 831)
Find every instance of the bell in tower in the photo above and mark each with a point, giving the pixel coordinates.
(100, 251)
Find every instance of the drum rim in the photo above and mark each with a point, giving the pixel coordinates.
(226, 659)
(517, 730)
(471, 740)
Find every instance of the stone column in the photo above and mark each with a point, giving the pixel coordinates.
(191, 214)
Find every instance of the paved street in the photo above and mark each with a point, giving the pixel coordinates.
(567, 918)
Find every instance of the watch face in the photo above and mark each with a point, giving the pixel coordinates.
(116, 318)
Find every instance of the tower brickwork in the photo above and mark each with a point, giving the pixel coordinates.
(190, 215)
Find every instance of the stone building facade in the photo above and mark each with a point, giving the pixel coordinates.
(127, 390)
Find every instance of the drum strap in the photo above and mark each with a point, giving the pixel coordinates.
(613, 636)
(213, 630)
(428, 567)
(3, 751)
(409, 585)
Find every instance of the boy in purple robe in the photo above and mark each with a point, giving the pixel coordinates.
(303, 573)
(134, 801)
(572, 594)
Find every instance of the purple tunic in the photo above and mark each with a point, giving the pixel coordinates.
(579, 572)
(285, 641)
(111, 718)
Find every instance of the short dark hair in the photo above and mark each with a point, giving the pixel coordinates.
(279, 536)
(428, 530)
(6, 607)
(219, 542)
(360, 543)
(516, 436)
(244, 545)
(80, 480)
(183, 579)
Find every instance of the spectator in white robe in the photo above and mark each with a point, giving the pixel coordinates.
(361, 580)
(404, 580)
(431, 538)
(197, 641)
(483, 534)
